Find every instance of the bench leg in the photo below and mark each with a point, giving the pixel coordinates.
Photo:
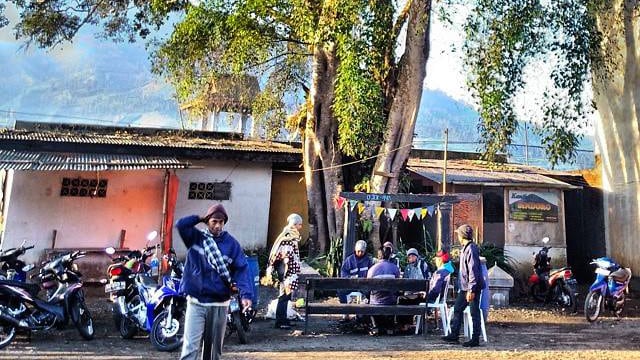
(306, 322)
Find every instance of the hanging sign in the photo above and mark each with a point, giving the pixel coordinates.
(533, 206)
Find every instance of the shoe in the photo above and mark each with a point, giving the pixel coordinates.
(471, 343)
(450, 338)
(374, 332)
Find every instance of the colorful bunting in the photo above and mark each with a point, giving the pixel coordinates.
(431, 210)
(339, 202)
(423, 212)
(361, 208)
(404, 213)
(352, 204)
(378, 211)
(417, 212)
(410, 214)
(392, 213)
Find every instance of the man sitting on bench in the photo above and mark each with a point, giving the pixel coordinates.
(354, 266)
(383, 269)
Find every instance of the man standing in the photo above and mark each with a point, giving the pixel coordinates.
(284, 258)
(214, 261)
(471, 282)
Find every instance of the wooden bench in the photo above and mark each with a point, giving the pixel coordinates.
(313, 307)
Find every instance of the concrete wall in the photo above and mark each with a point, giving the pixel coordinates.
(248, 208)
(35, 209)
(522, 238)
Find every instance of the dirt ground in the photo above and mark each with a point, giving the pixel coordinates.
(523, 331)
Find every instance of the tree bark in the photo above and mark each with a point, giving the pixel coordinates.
(404, 100)
(322, 158)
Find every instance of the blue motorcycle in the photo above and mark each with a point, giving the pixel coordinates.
(158, 310)
(609, 289)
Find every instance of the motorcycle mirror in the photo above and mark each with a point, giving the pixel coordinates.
(545, 239)
(110, 250)
(152, 235)
(24, 241)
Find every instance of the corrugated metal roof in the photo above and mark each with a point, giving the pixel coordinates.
(48, 161)
(472, 172)
(129, 137)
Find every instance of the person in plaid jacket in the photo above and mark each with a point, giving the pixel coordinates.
(285, 260)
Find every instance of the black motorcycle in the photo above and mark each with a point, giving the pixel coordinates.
(20, 307)
(12, 267)
(239, 319)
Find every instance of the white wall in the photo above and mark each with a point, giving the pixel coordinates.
(248, 208)
(133, 203)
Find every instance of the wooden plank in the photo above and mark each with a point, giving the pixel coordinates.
(425, 199)
(364, 309)
(367, 284)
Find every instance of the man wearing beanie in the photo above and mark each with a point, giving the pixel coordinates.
(214, 261)
(355, 265)
(471, 282)
(285, 259)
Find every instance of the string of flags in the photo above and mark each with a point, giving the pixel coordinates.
(406, 214)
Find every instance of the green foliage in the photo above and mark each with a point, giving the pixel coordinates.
(502, 38)
(497, 256)
(334, 258)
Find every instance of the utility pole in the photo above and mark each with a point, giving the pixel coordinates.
(444, 169)
(526, 144)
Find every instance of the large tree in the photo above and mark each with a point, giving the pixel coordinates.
(360, 95)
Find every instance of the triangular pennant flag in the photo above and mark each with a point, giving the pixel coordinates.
(410, 214)
(352, 204)
(431, 210)
(423, 213)
(339, 202)
(360, 208)
(379, 210)
(417, 212)
(404, 213)
(392, 213)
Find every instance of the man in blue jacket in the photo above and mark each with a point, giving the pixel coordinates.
(355, 265)
(471, 282)
(214, 261)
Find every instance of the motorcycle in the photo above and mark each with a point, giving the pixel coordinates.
(158, 310)
(12, 267)
(121, 273)
(21, 308)
(552, 285)
(609, 288)
(239, 320)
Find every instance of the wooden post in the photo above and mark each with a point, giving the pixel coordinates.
(444, 226)
(349, 239)
(53, 239)
(123, 232)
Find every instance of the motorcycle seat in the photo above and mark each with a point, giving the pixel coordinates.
(32, 289)
(148, 282)
(621, 275)
(558, 270)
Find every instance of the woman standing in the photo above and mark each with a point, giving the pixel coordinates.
(285, 260)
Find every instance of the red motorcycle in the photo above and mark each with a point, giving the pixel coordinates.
(552, 285)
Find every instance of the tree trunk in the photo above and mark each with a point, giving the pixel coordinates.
(405, 102)
(323, 179)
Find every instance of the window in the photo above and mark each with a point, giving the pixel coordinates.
(209, 191)
(79, 187)
(493, 207)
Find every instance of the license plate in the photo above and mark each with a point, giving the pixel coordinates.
(114, 286)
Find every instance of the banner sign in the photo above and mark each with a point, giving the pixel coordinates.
(533, 206)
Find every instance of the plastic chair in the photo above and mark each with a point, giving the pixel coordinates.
(440, 304)
(468, 323)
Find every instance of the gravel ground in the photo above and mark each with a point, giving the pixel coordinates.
(522, 331)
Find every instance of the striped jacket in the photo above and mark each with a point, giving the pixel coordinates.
(354, 267)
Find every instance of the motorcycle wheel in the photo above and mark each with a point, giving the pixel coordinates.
(81, 317)
(237, 323)
(569, 300)
(116, 315)
(128, 327)
(538, 293)
(167, 337)
(7, 333)
(619, 306)
(593, 306)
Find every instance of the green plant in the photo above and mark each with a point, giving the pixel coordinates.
(334, 258)
(497, 256)
(319, 263)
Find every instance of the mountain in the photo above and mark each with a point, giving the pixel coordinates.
(101, 82)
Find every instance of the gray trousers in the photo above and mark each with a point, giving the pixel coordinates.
(202, 334)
